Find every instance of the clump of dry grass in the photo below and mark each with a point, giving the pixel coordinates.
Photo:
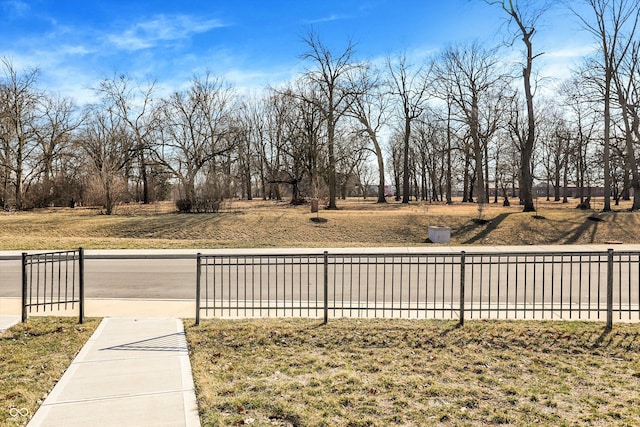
(256, 224)
(391, 372)
(33, 358)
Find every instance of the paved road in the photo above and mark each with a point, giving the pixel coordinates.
(118, 278)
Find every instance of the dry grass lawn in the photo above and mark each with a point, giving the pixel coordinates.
(33, 357)
(277, 224)
(415, 373)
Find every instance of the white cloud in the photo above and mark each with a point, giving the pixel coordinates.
(252, 81)
(162, 28)
(15, 8)
(329, 18)
(75, 50)
(571, 52)
(71, 82)
(558, 64)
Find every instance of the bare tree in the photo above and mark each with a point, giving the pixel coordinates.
(370, 109)
(445, 91)
(18, 111)
(351, 150)
(581, 100)
(299, 127)
(134, 105)
(627, 88)
(293, 140)
(329, 76)
(395, 165)
(242, 127)
(554, 154)
(193, 133)
(266, 127)
(366, 176)
(449, 187)
(57, 123)
(506, 167)
(409, 84)
(430, 146)
(475, 84)
(525, 15)
(614, 27)
(109, 148)
(6, 141)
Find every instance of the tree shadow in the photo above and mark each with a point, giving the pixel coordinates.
(490, 227)
(169, 342)
(581, 230)
(599, 342)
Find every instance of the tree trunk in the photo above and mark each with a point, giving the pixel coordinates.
(466, 179)
(449, 172)
(380, 158)
(405, 161)
(607, 138)
(332, 159)
(526, 193)
(556, 186)
(486, 171)
(249, 187)
(495, 178)
(19, 172)
(143, 175)
(478, 153)
(565, 184)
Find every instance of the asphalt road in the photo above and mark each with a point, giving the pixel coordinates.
(119, 278)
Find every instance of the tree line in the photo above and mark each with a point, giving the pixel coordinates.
(461, 121)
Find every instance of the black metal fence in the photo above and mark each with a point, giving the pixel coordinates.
(53, 281)
(540, 285)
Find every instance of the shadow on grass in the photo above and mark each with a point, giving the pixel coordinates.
(485, 231)
(599, 342)
(578, 232)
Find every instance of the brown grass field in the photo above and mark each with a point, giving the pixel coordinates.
(415, 373)
(357, 223)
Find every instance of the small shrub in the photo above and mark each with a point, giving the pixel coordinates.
(199, 205)
(184, 205)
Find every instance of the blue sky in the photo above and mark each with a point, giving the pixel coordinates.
(248, 43)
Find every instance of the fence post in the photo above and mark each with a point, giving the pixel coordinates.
(462, 280)
(24, 287)
(609, 289)
(326, 287)
(81, 282)
(198, 268)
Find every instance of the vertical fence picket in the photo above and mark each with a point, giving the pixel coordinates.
(24, 287)
(326, 287)
(462, 283)
(609, 289)
(81, 283)
(198, 284)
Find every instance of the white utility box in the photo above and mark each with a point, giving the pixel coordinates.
(439, 234)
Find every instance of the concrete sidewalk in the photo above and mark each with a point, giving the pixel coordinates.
(131, 372)
(8, 321)
(11, 307)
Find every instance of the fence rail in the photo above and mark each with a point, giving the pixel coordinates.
(53, 281)
(527, 285)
